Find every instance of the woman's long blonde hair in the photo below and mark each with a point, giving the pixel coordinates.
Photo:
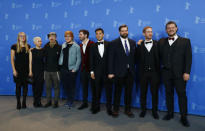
(19, 48)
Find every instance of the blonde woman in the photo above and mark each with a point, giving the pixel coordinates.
(36, 70)
(20, 67)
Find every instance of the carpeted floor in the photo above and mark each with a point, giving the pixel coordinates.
(63, 119)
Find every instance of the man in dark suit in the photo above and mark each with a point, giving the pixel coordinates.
(121, 65)
(176, 60)
(149, 71)
(99, 71)
(85, 68)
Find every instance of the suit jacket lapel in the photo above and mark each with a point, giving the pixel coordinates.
(105, 48)
(130, 51)
(96, 48)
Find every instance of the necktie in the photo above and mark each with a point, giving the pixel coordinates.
(148, 42)
(99, 43)
(126, 48)
(171, 38)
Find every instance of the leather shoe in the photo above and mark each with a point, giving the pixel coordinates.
(83, 106)
(168, 117)
(142, 114)
(129, 114)
(184, 121)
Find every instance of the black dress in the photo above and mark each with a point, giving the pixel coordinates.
(37, 61)
(38, 74)
(21, 63)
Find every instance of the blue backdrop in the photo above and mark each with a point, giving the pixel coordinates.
(38, 18)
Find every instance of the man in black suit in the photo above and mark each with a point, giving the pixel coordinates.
(121, 65)
(99, 71)
(176, 60)
(149, 71)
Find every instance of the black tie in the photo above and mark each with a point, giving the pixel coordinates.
(148, 42)
(99, 43)
(171, 38)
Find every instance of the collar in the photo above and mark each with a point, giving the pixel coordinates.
(123, 39)
(175, 37)
(149, 41)
(85, 44)
(101, 41)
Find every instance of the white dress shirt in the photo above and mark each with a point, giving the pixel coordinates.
(85, 45)
(148, 45)
(101, 51)
(172, 41)
(123, 43)
(101, 48)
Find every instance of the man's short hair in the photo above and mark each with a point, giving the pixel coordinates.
(145, 28)
(85, 32)
(99, 29)
(171, 22)
(123, 25)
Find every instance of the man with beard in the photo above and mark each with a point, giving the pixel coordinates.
(121, 66)
(85, 69)
(176, 60)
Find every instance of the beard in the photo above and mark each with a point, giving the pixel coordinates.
(172, 34)
(124, 35)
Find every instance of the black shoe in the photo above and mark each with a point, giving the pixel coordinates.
(83, 106)
(47, 104)
(18, 106)
(92, 107)
(55, 105)
(168, 117)
(184, 121)
(142, 114)
(39, 104)
(109, 112)
(95, 111)
(129, 114)
(24, 105)
(155, 115)
(35, 104)
(115, 114)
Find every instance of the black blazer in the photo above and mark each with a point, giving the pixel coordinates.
(98, 64)
(141, 54)
(181, 58)
(117, 60)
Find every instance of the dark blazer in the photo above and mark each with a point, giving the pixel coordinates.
(98, 64)
(117, 61)
(181, 58)
(85, 64)
(141, 55)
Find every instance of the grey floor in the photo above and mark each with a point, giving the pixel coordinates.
(63, 119)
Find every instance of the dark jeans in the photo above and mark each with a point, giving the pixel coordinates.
(69, 84)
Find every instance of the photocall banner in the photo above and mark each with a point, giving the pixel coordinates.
(39, 17)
